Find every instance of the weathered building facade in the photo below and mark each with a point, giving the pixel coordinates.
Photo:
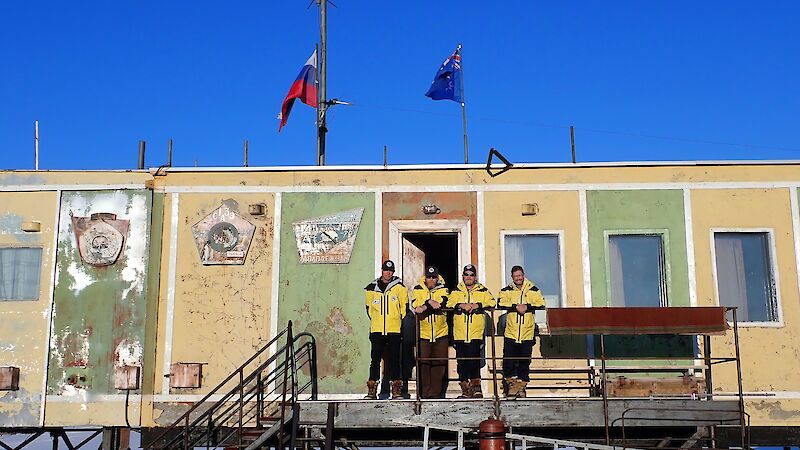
(149, 269)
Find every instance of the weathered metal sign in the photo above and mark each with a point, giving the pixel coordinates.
(223, 237)
(101, 238)
(328, 239)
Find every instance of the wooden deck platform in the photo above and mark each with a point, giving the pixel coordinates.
(524, 413)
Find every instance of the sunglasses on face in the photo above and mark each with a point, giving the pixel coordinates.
(469, 274)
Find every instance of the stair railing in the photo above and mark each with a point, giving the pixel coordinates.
(259, 399)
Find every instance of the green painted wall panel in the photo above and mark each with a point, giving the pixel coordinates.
(630, 211)
(98, 312)
(638, 210)
(327, 300)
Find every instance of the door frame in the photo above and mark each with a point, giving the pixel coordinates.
(459, 226)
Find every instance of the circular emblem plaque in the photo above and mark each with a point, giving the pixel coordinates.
(101, 244)
(223, 237)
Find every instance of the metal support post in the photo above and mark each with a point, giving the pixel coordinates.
(604, 387)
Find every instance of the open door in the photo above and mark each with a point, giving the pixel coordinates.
(440, 250)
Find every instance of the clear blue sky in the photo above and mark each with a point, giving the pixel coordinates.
(640, 80)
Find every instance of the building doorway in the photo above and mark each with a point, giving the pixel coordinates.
(446, 244)
(421, 250)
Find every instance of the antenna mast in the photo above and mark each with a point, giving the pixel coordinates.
(322, 63)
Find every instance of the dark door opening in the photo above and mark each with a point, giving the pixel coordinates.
(430, 249)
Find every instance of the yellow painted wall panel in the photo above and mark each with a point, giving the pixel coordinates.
(25, 324)
(770, 354)
(221, 313)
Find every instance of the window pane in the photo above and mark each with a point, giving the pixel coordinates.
(538, 254)
(744, 275)
(20, 269)
(637, 270)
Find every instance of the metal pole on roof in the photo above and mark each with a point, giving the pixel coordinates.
(464, 109)
(36, 145)
(572, 142)
(169, 153)
(245, 153)
(322, 62)
(141, 155)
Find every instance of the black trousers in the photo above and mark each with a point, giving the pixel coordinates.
(519, 368)
(379, 343)
(471, 368)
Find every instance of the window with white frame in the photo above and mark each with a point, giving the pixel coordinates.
(745, 276)
(20, 270)
(637, 274)
(540, 257)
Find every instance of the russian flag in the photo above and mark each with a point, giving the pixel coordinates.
(303, 88)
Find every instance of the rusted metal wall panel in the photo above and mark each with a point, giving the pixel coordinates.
(637, 320)
(24, 324)
(98, 312)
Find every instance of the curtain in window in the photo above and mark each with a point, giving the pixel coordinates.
(731, 274)
(20, 269)
(636, 263)
(617, 275)
(744, 275)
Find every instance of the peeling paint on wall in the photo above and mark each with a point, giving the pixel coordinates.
(221, 311)
(328, 300)
(11, 224)
(98, 312)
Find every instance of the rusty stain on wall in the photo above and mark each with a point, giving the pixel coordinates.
(327, 300)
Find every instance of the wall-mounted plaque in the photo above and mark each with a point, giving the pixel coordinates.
(328, 239)
(101, 238)
(223, 237)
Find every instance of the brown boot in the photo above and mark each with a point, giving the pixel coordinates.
(475, 386)
(372, 390)
(513, 389)
(466, 390)
(397, 389)
(522, 387)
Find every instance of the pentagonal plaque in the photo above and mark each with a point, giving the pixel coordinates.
(223, 237)
(328, 239)
(101, 238)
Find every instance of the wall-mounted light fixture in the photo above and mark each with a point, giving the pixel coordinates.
(431, 209)
(257, 209)
(530, 209)
(31, 226)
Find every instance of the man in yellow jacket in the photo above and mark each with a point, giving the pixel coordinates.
(428, 299)
(520, 298)
(386, 302)
(469, 300)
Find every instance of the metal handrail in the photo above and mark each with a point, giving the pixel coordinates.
(246, 403)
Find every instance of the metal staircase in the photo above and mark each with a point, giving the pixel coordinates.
(254, 406)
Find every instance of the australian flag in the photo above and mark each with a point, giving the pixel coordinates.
(447, 82)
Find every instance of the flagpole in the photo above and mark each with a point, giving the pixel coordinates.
(463, 108)
(322, 62)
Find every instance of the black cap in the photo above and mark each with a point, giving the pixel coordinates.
(469, 268)
(388, 265)
(431, 272)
